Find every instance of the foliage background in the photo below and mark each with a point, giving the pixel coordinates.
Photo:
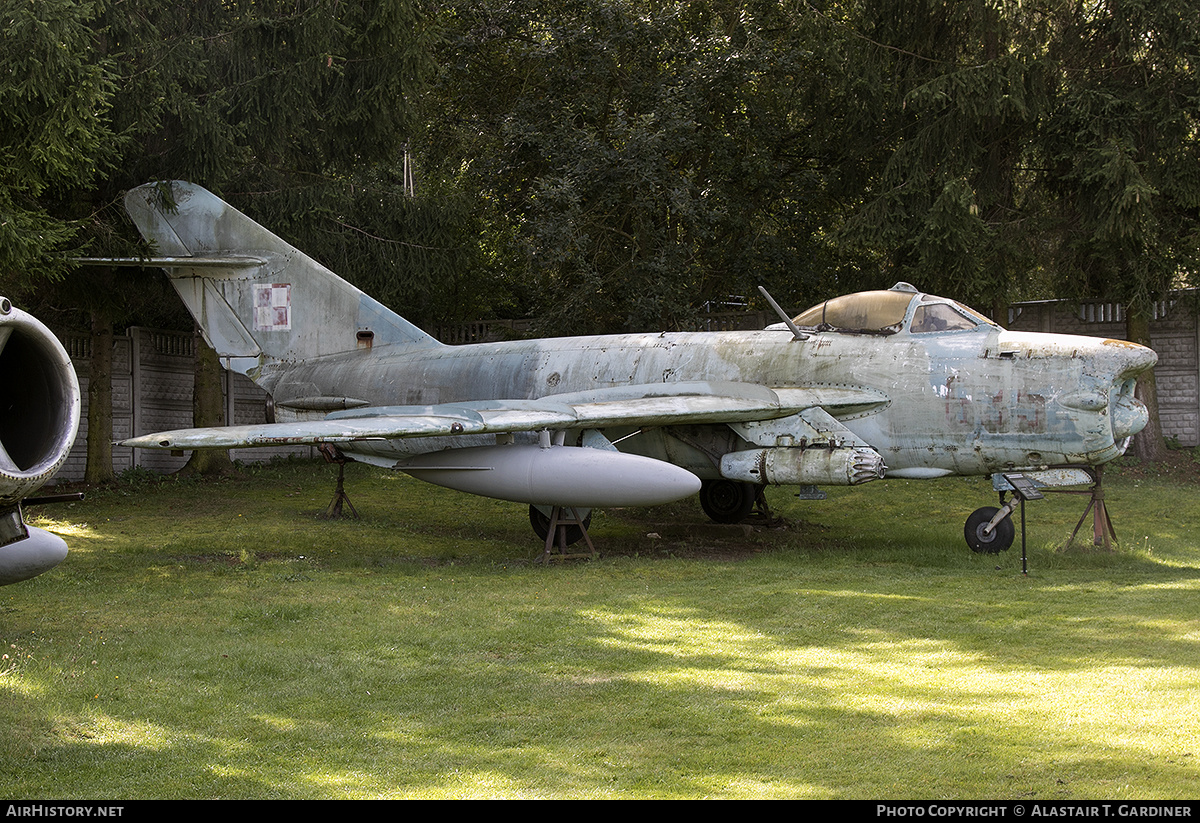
(611, 165)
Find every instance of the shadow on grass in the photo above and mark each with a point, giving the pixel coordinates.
(859, 651)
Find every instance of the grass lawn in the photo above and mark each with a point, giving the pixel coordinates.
(219, 640)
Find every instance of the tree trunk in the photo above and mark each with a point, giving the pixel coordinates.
(208, 409)
(99, 467)
(1148, 445)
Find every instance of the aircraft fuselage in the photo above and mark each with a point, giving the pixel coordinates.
(968, 402)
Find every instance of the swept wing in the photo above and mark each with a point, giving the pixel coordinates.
(639, 405)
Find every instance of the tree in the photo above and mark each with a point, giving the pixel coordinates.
(208, 409)
(251, 97)
(1122, 150)
(55, 93)
(945, 103)
(638, 160)
(1031, 150)
(54, 131)
(611, 164)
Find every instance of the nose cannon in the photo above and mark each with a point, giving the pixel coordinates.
(1125, 361)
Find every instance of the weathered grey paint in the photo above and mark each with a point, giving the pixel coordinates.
(974, 401)
(971, 402)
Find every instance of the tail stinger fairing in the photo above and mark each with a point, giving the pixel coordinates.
(893, 383)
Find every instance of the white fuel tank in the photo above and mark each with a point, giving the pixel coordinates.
(555, 476)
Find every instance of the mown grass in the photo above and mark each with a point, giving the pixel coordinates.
(220, 640)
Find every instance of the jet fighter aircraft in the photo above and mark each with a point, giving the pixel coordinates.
(38, 422)
(883, 384)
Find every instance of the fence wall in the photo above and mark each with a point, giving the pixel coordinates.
(152, 391)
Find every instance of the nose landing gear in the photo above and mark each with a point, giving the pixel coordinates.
(990, 530)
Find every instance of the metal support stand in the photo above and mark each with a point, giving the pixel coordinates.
(340, 498)
(1103, 533)
(562, 518)
(762, 513)
(1023, 489)
(1024, 556)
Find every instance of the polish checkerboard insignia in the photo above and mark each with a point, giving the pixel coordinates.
(272, 306)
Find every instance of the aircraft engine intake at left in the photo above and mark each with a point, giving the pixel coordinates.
(39, 418)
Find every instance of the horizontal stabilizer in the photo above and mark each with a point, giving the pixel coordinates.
(256, 298)
(194, 262)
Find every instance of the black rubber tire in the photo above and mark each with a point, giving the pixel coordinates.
(727, 501)
(1000, 538)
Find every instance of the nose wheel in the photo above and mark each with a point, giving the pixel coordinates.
(986, 534)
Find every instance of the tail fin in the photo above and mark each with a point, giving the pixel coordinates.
(255, 297)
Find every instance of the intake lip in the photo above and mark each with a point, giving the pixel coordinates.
(1127, 414)
(40, 416)
(1132, 359)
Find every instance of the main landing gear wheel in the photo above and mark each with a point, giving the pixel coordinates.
(1000, 538)
(727, 501)
(541, 526)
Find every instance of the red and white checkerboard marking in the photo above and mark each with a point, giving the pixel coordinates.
(272, 306)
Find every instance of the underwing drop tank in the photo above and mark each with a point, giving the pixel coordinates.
(555, 476)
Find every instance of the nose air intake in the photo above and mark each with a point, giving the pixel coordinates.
(41, 415)
(38, 422)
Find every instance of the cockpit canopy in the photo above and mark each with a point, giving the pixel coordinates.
(887, 312)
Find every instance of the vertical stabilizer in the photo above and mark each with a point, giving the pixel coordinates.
(256, 298)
